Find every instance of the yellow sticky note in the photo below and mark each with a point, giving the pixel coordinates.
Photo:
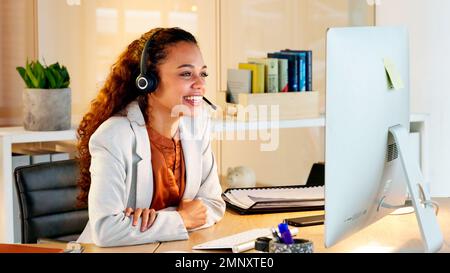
(394, 78)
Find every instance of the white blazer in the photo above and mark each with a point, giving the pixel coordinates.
(122, 176)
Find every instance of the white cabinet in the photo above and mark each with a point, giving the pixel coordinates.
(8, 137)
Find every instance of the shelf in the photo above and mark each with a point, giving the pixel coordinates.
(20, 135)
(234, 125)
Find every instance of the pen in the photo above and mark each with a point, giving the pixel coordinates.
(208, 102)
(285, 233)
(275, 235)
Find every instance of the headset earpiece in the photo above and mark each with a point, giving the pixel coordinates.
(147, 82)
(141, 82)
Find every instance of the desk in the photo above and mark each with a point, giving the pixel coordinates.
(91, 248)
(393, 233)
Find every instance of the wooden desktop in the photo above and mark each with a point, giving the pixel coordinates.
(393, 233)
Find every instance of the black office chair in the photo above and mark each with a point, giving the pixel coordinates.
(47, 199)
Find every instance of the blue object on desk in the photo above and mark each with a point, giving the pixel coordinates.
(286, 236)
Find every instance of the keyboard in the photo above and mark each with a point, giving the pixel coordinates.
(239, 242)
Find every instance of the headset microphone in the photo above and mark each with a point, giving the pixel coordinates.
(210, 104)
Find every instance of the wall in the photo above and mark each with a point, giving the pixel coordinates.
(429, 27)
(87, 38)
(18, 40)
(251, 28)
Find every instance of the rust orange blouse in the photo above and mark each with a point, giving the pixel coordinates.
(169, 172)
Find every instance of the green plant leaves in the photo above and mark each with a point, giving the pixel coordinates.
(24, 76)
(31, 75)
(65, 76)
(50, 78)
(36, 75)
(40, 74)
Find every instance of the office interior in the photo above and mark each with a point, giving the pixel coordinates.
(86, 36)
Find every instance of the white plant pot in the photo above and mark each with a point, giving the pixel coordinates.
(47, 109)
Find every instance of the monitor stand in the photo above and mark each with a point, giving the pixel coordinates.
(421, 201)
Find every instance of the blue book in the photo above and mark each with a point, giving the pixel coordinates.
(301, 67)
(302, 70)
(293, 77)
(308, 67)
(298, 68)
(301, 61)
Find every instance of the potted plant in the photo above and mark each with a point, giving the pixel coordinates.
(46, 98)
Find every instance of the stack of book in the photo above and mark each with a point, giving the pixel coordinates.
(283, 71)
(275, 199)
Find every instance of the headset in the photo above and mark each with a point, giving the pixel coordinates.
(147, 81)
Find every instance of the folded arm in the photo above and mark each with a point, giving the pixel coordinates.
(107, 202)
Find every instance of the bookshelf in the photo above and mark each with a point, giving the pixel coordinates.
(8, 137)
(245, 33)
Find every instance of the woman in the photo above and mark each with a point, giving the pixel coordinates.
(147, 169)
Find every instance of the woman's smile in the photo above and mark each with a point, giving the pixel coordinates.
(193, 100)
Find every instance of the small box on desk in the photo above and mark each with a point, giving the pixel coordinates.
(291, 105)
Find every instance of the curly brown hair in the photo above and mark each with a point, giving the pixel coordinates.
(119, 90)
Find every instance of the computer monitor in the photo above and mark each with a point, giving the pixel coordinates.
(368, 167)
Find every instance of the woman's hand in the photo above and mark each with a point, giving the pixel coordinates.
(148, 217)
(193, 213)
